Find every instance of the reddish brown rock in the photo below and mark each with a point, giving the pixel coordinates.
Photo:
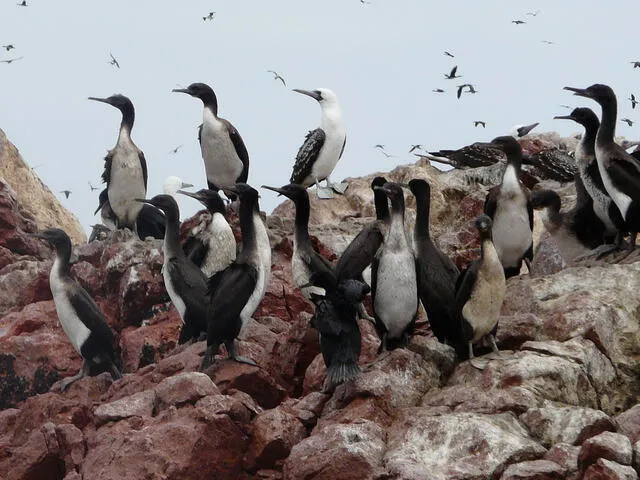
(139, 404)
(607, 445)
(22, 283)
(628, 423)
(255, 381)
(186, 387)
(564, 455)
(534, 470)
(225, 405)
(608, 470)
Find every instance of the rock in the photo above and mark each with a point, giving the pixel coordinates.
(252, 380)
(186, 387)
(456, 446)
(628, 423)
(71, 444)
(552, 423)
(608, 470)
(607, 445)
(225, 405)
(636, 456)
(348, 452)
(564, 455)
(274, 432)
(139, 404)
(534, 470)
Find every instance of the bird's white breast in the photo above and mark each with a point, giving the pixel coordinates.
(221, 162)
(302, 274)
(168, 284)
(262, 263)
(221, 245)
(126, 182)
(335, 135)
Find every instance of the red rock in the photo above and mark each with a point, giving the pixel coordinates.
(607, 445)
(186, 387)
(22, 283)
(564, 455)
(225, 405)
(139, 404)
(255, 381)
(315, 375)
(308, 408)
(628, 423)
(608, 470)
(534, 470)
(274, 432)
(71, 444)
(88, 276)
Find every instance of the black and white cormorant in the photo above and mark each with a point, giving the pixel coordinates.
(437, 273)
(305, 261)
(211, 245)
(335, 318)
(185, 283)
(226, 160)
(480, 291)
(80, 317)
(394, 277)
(620, 171)
(322, 147)
(125, 168)
(509, 207)
(238, 290)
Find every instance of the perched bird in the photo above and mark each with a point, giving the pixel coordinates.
(125, 168)
(305, 261)
(635, 64)
(480, 292)
(80, 317)
(480, 122)
(633, 101)
(449, 54)
(211, 245)
(509, 207)
(172, 184)
(518, 22)
(394, 277)
(8, 47)
(238, 290)
(322, 148)
(175, 150)
(620, 170)
(336, 321)
(11, 60)
(184, 281)
(113, 61)
(66, 193)
(451, 75)
(92, 187)
(277, 76)
(226, 160)
(438, 90)
(437, 273)
(519, 131)
(415, 147)
(627, 121)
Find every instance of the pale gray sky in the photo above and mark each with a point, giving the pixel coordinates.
(382, 60)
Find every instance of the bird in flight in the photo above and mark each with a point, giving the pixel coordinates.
(113, 61)
(534, 14)
(23, 3)
(635, 64)
(10, 60)
(92, 187)
(415, 147)
(627, 121)
(479, 122)
(548, 42)
(277, 76)
(381, 147)
(564, 106)
(363, 2)
(438, 90)
(8, 47)
(452, 74)
(469, 87)
(449, 54)
(209, 16)
(518, 22)
(66, 193)
(633, 100)
(175, 150)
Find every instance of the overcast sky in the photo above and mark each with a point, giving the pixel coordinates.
(382, 59)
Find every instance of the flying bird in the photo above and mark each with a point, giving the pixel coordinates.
(381, 147)
(363, 2)
(175, 150)
(416, 147)
(635, 64)
(209, 16)
(66, 193)
(92, 187)
(518, 22)
(8, 47)
(438, 90)
(469, 87)
(633, 100)
(564, 106)
(449, 54)
(627, 121)
(534, 14)
(277, 76)
(452, 74)
(23, 3)
(10, 60)
(548, 42)
(479, 122)
(113, 61)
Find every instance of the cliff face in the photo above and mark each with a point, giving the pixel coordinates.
(35, 200)
(560, 401)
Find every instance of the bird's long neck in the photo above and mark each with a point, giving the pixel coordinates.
(246, 214)
(172, 234)
(63, 258)
(382, 205)
(331, 118)
(421, 229)
(128, 117)
(607, 129)
(210, 102)
(396, 227)
(589, 138)
(303, 209)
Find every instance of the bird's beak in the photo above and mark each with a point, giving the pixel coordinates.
(582, 92)
(311, 94)
(103, 100)
(181, 90)
(186, 185)
(563, 117)
(522, 131)
(273, 189)
(189, 194)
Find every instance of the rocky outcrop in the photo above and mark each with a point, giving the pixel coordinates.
(561, 400)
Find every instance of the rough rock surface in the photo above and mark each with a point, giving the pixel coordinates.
(561, 400)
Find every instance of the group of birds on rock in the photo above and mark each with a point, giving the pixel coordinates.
(216, 287)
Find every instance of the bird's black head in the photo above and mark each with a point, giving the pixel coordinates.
(420, 187)
(483, 224)
(199, 90)
(378, 182)
(545, 198)
(293, 191)
(392, 190)
(209, 198)
(246, 193)
(117, 100)
(56, 237)
(353, 291)
(598, 92)
(582, 115)
(164, 202)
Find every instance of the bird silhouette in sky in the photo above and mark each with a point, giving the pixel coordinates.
(479, 122)
(449, 54)
(627, 121)
(277, 76)
(113, 61)
(8, 47)
(11, 60)
(452, 74)
(175, 150)
(415, 147)
(209, 16)
(633, 101)
(92, 187)
(66, 193)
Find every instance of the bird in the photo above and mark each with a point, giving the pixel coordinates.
(451, 75)
(620, 170)
(113, 61)
(80, 317)
(173, 184)
(211, 245)
(438, 90)
(480, 122)
(239, 289)
(518, 22)
(609, 220)
(322, 148)
(470, 89)
(364, 2)
(277, 76)
(11, 60)
(633, 101)
(305, 261)
(415, 147)
(185, 283)
(508, 205)
(519, 131)
(437, 273)
(627, 121)
(23, 3)
(226, 160)
(209, 16)
(449, 54)
(380, 146)
(335, 318)
(66, 193)
(534, 14)
(385, 153)
(175, 150)
(635, 64)
(8, 47)
(480, 292)
(361, 251)
(394, 277)
(125, 167)
(92, 187)
(548, 42)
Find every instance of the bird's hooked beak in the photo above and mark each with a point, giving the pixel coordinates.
(311, 94)
(522, 131)
(189, 194)
(186, 185)
(273, 189)
(181, 90)
(563, 117)
(581, 92)
(103, 100)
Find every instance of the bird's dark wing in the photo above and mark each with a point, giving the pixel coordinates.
(102, 199)
(93, 318)
(106, 174)
(200, 134)
(317, 263)
(491, 201)
(360, 253)
(460, 90)
(343, 145)
(150, 222)
(191, 283)
(307, 155)
(626, 176)
(143, 164)
(453, 71)
(527, 194)
(241, 150)
(464, 289)
(326, 319)
(195, 250)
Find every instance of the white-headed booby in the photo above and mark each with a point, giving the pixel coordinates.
(211, 245)
(238, 290)
(80, 317)
(322, 147)
(125, 168)
(509, 207)
(226, 160)
(184, 281)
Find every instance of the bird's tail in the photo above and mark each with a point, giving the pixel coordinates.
(115, 373)
(342, 372)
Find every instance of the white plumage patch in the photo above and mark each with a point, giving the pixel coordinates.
(221, 245)
(221, 162)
